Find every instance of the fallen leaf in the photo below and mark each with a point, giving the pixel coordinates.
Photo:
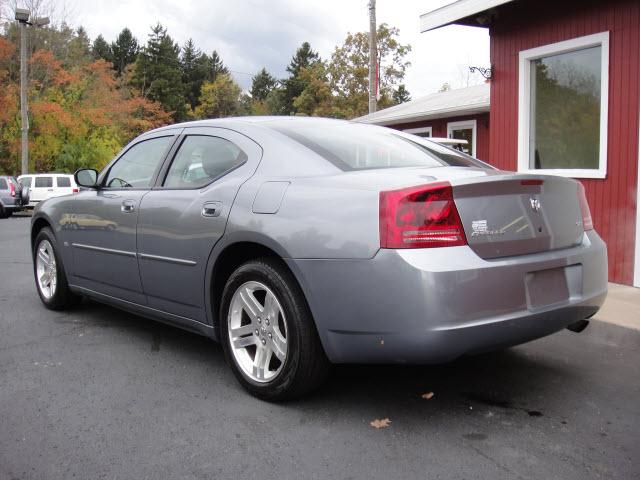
(428, 395)
(380, 423)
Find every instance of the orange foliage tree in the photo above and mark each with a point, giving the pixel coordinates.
(79, 116)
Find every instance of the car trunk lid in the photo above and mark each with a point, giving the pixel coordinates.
(510, 215)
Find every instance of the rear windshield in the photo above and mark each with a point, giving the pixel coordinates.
(363, 147)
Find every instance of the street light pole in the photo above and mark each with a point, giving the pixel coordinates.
(373, 58)
(23, 98)
(22, 17)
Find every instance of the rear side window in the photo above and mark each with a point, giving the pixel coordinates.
(63, 181)
(202, 159)
(25, 182)
(3, 184)
(44, 182)
(351, 146)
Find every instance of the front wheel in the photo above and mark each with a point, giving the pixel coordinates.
(268, 334)
(49, 273)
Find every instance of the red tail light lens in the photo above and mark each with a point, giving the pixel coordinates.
(12, 189)
(587, 221)
(75, 190)
(420, 217)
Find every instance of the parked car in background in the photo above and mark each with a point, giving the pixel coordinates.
(300, 242)
(47, 185)
(455, 143)
(12, 196)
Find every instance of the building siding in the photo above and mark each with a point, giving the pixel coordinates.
(439, 129)
(526, 24)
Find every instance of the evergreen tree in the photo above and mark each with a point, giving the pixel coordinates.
(124, 50)
(305, 57)
(195, 67)
(101, 49)
(262, 84)
(158, 74)
(79, 49)
(401, 95)
(217, 67)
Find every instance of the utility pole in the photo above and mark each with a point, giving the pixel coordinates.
(23, 98)
(373, 58)
(22, 17)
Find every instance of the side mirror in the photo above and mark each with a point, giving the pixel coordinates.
(86, 177)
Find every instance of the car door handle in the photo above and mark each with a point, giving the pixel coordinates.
(128, 206)
(212, 209)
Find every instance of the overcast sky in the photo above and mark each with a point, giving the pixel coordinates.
(250, 34)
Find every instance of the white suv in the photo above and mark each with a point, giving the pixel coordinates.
(47, 185)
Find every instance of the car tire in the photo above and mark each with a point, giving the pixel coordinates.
(59, 296)
(3, 212)
(305, 364)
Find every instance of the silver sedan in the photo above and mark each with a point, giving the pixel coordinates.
(298, 243)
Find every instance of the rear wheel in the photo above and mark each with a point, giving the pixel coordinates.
(3, 212)
(268, 334)
(49, 273)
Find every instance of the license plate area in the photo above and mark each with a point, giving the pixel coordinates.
(545, 288)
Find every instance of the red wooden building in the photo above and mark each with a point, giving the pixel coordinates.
(565, 100)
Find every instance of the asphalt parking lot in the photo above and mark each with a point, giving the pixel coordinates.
(98, 393)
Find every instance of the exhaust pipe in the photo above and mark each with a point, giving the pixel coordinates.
(578, 326)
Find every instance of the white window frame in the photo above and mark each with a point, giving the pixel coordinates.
(464, 125)
(524, 103)
(420, 130)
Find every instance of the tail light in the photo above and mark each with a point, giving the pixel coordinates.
(12, 189)
(420, 217)
(587, 221)
(75, 190)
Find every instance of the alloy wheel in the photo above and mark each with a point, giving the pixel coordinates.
(46, 270)
(257, 331)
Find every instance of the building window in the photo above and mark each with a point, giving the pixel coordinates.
(426, 132)
(464, 130)
(562, 127)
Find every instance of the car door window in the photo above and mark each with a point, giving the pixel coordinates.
(44, 182)
(136, 168)
(201, 159)
(3, 184)
(63, 181)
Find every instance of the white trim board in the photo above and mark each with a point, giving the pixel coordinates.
(636, 260)
(524, 100)
(463, 125)
(419, 130)
(456, 11)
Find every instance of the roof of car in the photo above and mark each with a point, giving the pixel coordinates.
(230, 121)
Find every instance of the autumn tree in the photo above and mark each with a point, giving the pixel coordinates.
(349, 69)
(157, 72)
(316, 99)
(220, 98)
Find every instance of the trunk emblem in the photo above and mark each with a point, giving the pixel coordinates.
(535, 204)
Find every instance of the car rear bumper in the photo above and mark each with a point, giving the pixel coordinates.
(433, 305)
